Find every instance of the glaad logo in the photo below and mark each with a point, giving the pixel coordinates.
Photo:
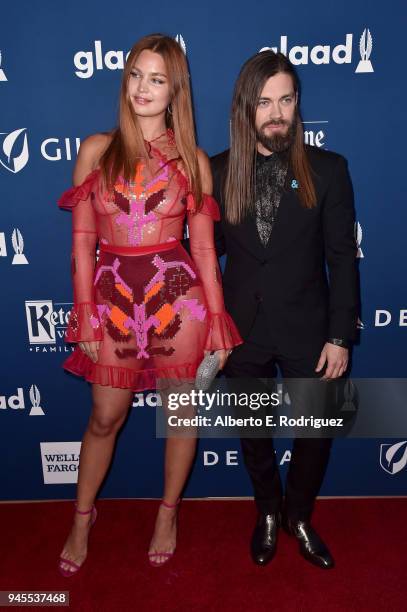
(358, 238)
(365, 48)
(85, 62)
(181, 43)
(393, 457)
(14, 163)
(151, 399)
(60, 462)
(384, 317)
(323, 54)
(18, 245)
(47, 325)
(2, 73)
(17, 402)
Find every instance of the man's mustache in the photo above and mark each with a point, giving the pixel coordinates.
(274, 122)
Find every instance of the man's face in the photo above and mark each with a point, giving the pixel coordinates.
(276, 113)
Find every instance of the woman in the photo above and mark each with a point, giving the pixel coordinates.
(148, 313)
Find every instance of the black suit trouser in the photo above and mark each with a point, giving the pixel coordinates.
(258, 358)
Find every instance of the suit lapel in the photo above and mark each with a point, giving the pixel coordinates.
(247, 235)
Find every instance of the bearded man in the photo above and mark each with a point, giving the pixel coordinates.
(290, 281)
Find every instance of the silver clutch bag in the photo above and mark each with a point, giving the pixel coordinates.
(206, 372)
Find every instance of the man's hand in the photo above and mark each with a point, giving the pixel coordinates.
(90, 349)
(337, 358)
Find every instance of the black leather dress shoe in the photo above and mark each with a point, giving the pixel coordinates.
(311, 547)
(264, 538)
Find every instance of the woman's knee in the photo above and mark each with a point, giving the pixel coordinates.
(102, 424)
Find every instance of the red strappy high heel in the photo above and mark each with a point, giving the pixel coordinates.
(68, 573)
(167, 555)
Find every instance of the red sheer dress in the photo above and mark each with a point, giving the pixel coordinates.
(153, 308)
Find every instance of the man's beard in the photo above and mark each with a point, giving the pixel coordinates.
(278, 142)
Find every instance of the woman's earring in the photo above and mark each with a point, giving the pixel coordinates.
(169, 110)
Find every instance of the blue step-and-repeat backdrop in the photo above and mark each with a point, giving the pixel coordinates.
(60, 72)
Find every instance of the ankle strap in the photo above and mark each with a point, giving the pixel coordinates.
(84, 511)
(166, 505)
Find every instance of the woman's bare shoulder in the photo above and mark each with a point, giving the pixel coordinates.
(205, 171)
(90, 152)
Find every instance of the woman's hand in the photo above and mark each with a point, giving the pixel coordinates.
(90, 349)
(223, 355)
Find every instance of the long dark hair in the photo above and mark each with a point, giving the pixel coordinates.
(239, 186)
(127, 147)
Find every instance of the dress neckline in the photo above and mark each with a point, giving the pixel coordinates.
(168, 133)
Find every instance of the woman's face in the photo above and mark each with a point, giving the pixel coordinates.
(148, 87)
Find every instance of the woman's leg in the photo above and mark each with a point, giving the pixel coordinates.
(180, 451)
(109, 410)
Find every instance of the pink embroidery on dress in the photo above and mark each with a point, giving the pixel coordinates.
(196, 310)
(94, 322)
(114, 270)
(140, 324)
(138, 194)
(163, 266)
(135, 221)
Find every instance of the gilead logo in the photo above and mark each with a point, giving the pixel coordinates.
(393, 457)
(14, 150)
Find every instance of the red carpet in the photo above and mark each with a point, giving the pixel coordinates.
(211, 569)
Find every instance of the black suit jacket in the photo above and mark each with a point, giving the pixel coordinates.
(306, 277)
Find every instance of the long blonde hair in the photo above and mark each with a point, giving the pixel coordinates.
(127, 147)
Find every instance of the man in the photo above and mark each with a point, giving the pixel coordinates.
(287, 214)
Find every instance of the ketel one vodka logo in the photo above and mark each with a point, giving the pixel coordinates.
(2, 73)
(393, 457)
(14, 150)
(17, 401)
(47, 322)
(17, 241)
(325, 54)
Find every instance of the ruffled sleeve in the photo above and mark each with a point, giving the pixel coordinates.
(84, 323)
(222, 331)
(209, 206)
(71, 197)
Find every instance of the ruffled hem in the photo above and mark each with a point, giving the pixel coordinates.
(209, 206)
(71, 197)
(125, 378)
(222, 332)
(84, 324)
